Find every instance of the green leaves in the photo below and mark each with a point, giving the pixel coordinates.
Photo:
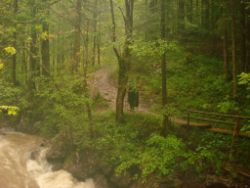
(1, 65)
(152, 48)
(10, 50)
(160, 155)
(10, 110)
(244, 79)
(44, 36)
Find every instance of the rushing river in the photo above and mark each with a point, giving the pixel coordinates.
(23, 165)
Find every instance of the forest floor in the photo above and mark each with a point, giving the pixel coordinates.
(101, 83)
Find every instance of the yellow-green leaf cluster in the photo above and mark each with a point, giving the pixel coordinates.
(1, 65)
(10, 110)
(44, 36)
(10, 50)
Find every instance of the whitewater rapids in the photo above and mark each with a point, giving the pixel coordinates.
(18, 169)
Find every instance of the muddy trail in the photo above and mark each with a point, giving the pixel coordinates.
(101, 83)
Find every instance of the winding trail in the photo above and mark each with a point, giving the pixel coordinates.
(100, 83)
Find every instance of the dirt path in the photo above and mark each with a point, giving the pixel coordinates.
(100, 83)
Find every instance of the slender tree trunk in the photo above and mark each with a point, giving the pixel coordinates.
(190, 11)
(243, 22)
(45, 49)
(206, 14)
(248, 40)
(99, 44)
(233, 33)
(95, 37)
(24, 63)
(99, 51)
(181, 16)
(34, 63)
(14, 60)
(121, 92)
(85, 73)
(164, 65)
(225, 54)
(86, 51)
(77, 43)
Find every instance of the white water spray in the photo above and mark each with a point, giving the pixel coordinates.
(19, 170)
(46, 178)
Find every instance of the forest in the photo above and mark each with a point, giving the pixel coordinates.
(125, 93)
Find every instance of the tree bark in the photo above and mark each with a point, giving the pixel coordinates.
(45, 49)
(77, 42)
(225, 55)
(14, 60)
(164, 65)
(233, 33)
(243, 23)
(95, 13)
(34, 64)
(123, 57)
(181, 15)
(190, 11)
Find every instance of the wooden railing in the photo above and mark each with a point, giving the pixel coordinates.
(212, 118)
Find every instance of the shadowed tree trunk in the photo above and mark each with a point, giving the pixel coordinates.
(14, 60)
(77, 42)
(233, 33)
(45, 49)
(95, 37)
(123, 57)
(181, 15)
(243, 26)
(225, 55)
(34, 63)
(164, 65)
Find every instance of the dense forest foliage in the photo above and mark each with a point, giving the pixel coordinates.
(173, 58)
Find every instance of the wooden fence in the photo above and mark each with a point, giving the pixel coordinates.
(232, 123)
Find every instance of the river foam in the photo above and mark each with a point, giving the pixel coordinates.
(46, 178)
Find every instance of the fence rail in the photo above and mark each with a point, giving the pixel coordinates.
(212, 118)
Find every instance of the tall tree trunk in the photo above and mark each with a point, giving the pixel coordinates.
(123, 58)
(181, 15)
(24, 63)
(248, 39)
(99, 49)
(206, 14)
(190, 11)
(95, 13)
(85, 73)
(225, 54)
(164, 64)
(14, 60)
(233, 33)
(45, 49)
(34, 63)
(77, 43)
(243, 23)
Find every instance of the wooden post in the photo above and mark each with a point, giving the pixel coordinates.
(236, 133)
